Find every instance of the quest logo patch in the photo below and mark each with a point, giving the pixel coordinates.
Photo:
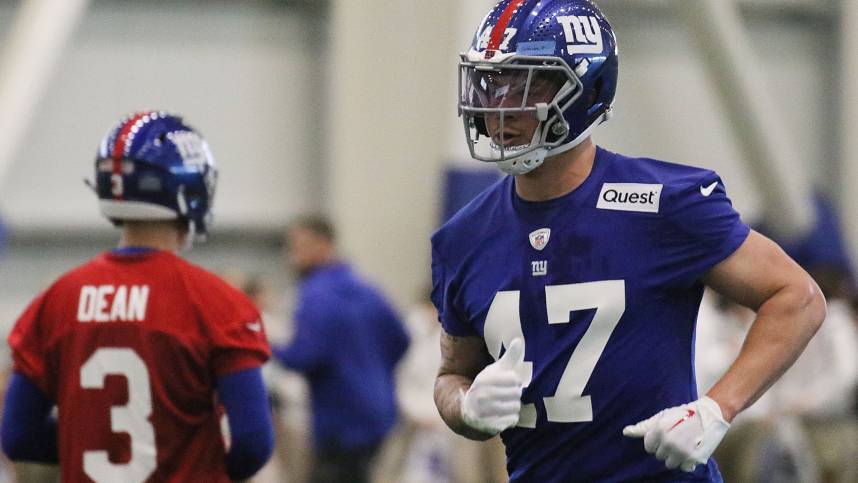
(639, 197)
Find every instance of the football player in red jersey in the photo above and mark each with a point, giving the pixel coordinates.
(138, 348)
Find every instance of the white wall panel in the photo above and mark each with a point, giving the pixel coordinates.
(667, 108)
(849, 126)
(246, 77)
(389, 109)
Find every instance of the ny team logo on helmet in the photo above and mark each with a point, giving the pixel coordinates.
(553, 60)
(153, 166)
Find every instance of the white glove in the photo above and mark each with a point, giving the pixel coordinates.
(493, 401)
(682, 436)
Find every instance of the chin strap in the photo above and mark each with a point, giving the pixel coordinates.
(192, 235)
(190, 238)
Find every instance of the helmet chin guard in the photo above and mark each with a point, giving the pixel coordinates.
(523, 163)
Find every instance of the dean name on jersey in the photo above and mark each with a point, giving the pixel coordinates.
(106, 303)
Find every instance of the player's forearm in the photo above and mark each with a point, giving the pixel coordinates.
(449, 389)
(784, 325)
(249, 415)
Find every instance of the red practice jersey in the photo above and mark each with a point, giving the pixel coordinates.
(130, 348)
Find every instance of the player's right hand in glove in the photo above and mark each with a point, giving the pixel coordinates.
(683, 436)
(493, 401)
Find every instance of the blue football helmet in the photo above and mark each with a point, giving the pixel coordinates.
(153, 166)
(552, 63)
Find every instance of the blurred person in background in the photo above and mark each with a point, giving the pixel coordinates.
(568, 291)
(5, 466)
(7, 472)
(761, 445)
(818, 391)
(346, 341)
(135, 347)
(819, 388)
(432, 452)
(803, 428)
(287, 389)
(427, 453)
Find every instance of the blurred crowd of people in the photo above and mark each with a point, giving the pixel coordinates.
(805, 428)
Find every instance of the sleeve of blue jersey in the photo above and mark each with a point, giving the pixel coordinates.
(249, 414)
(29, 431)
(702, 228)
(314, 338)
(441, 298)
(400, 340)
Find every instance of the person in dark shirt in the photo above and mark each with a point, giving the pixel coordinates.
(347, 341)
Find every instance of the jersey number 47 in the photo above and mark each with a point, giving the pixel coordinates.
(503, 324)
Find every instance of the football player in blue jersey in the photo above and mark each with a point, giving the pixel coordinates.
(568, 291)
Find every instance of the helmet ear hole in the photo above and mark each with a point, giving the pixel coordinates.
(480, 124)
(559, 128)
(595, 93)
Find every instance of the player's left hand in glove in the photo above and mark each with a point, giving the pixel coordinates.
(682, 436)
(493, 401)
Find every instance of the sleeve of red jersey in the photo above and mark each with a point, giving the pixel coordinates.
(27, 344)
(234, 326)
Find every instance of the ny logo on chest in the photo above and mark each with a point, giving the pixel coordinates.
(539, 240)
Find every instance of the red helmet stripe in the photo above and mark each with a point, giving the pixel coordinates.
(121, 143)
(503, 21)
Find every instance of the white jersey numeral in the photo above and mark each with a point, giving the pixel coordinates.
(502, 327)
(503, 324)
(132, 418)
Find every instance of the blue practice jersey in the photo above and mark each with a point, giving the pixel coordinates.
(603, 284)
(348, 341)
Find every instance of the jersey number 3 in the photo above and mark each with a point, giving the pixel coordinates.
(133, 418)
(503, 324)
